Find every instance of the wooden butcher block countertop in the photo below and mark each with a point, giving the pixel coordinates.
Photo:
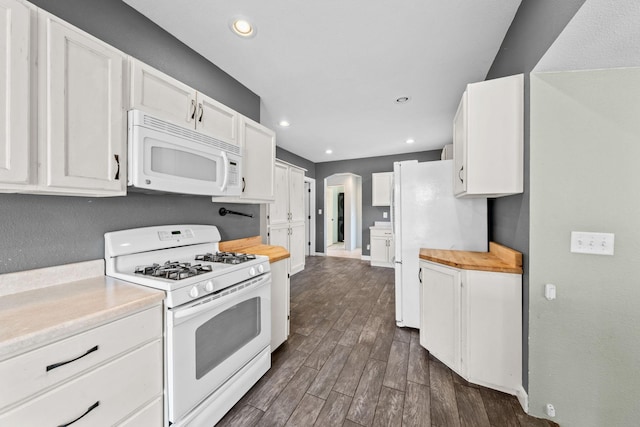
(253, 245)
(499, 259)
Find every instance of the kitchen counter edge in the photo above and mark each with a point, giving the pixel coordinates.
(253, 245)
(499, 259)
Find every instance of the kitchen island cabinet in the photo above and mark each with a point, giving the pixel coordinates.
(280, 282)
(471, 314)
(90, 346)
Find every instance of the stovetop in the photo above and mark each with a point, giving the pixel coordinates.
(183, 260)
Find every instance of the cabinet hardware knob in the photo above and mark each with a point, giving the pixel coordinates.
(91, 408)
(57, 365)
(117, 157)
(193, 109)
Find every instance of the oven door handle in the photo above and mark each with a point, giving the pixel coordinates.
(196, 309)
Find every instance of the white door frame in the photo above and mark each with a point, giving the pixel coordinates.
(310, 217)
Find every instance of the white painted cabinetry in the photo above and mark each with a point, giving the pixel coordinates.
(381, 188)
(382, 247)
(488, 135)
(167, 98)
(82, 132)
(105, 376)
(77, 144)
(471, 320)
(285, 216)
(15, 93)
(280, 285)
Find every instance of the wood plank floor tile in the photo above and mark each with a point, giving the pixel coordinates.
(365, 400)
(282, 408)
(403, 335)
(470, 407)
(241, 415)
(309, 344)
(345, 319)
(307, 411)
(334, 411)
(370, 330)
(499, 409)
(323, 351)
(349, 377)
(389, 409)
(417, 406)
(396, 375)
(444, 407)
(330, 372)
(418, 370)
(266, 393)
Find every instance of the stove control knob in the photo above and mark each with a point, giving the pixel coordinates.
(193, 292)
(208, 286)
(261, 268)
(252, 271)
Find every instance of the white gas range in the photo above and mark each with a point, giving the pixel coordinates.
(218, 320)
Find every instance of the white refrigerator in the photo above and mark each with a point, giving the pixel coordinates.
(427, 215)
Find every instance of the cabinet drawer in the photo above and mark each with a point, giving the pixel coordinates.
(28, 372)
(113, 390)
(381, 233)
(150, 415)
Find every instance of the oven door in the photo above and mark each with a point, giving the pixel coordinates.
(180, 160)
(209, 340)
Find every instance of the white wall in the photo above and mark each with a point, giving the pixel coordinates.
(584, 347)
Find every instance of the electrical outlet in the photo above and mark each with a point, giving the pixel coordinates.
(583, 242)
(368, 247)
(550, 410)
(385, 214)
(319, 211)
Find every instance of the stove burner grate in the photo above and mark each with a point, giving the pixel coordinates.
(225, 257)
(173, 270)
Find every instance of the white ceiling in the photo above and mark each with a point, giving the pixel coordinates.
(334, 68)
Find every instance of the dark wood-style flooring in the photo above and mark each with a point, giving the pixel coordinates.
(346, 363)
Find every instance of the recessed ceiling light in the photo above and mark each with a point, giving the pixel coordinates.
(402, 99)
(329, 151)
(410, 141)
(242, 27)
(284, 123)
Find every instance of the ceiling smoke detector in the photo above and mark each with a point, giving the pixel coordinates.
(402, 99)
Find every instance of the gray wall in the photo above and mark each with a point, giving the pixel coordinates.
(41, 231)
(534, 28)
(363, 167)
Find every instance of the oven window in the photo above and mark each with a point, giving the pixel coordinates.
(223, 335)
(174, 162)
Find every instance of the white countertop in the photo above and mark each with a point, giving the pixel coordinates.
(44, 313)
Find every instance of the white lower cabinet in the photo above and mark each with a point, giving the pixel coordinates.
(279, 303)
(382, 247)
(109, 375)
(292, 237)
(471, 321)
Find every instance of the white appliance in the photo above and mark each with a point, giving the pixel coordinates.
(170, 158)
(217, 320)
(427, 215)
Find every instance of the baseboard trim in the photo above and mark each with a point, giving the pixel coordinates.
(523, 398)
(365, 257)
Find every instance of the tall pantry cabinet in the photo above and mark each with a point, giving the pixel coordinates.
(285, 225)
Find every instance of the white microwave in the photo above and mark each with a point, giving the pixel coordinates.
(170, 158)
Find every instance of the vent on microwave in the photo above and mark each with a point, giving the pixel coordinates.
(179, 131)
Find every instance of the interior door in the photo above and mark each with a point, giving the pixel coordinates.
(330, 219)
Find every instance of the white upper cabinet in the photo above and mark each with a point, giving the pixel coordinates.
(82, 134)
(381, 188)
(488, 132)
(15, 93)
(259, 157)
(167, 98)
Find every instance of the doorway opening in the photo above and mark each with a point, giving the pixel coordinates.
(343, 215)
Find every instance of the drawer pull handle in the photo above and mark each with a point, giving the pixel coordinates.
(57, 365)
(91, 408)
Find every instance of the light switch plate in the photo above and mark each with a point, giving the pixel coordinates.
(583, 242)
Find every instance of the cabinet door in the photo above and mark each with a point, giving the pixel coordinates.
(217, 120)
(378, 250)
(279, 209)
(297, 246)
(258, 162)
(296, 194)
(82, 117)
(391, 254)
(279, 236)
(440, 313)
(459, 147)
(15, 108)
(381, 187)
(161, 95)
